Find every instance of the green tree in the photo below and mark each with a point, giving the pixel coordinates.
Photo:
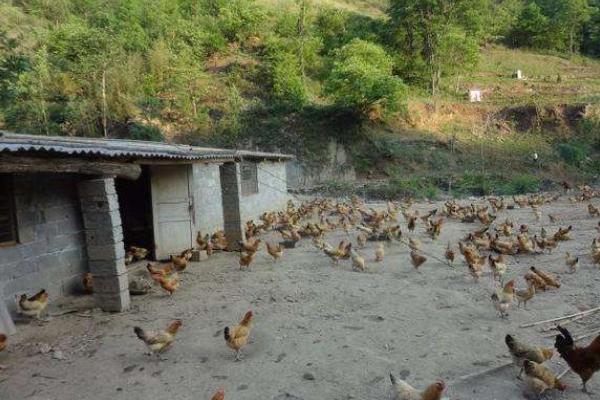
(423, 25)
(531, 28)
(288, 82)
(361, 77)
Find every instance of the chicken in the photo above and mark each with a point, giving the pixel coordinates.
(181, 262)
(403, 391)
(584, 361)
(88, 283)
(414, 244)
(139, 253)
(563, 234)
(553, 218)
(549, 279)
(274, 250)
(523, 296)
(536, 280)
(159, 342)
(498, 266)
(521, 352)
(202, 241)
(449, 254)
(379, 252)
(416, 259)
(166, 270)
(594, 211)
(500, 305)
(358, 261)
(35, 305)
(571, 262)
(361, 240)
(246, 260)
(412, 223)
(170, 283)
(540, 378)
(250, 246)
(220, 395)
(237, 337)
(526, 245)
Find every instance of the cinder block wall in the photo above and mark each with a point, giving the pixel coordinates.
(207, 198)
(51, 253)
(272, 191)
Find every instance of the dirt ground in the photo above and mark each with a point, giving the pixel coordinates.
(320, 331)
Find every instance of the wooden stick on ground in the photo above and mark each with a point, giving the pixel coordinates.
(593, 310)
(553, 328)
(563, 373)
(482, 373)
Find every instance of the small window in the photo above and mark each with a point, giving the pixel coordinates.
(8, 228)
(249, 178)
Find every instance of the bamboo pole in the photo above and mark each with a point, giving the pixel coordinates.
(593, 310)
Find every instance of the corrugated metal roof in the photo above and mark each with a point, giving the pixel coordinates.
(118, 148)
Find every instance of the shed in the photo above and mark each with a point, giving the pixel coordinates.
(72, 205)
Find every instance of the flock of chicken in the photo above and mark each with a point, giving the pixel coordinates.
(316, 218)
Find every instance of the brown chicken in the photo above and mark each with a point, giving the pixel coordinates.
(250, 246)
(35, 305)
(158, 342)
(536, 280)
(540, 378)
(220, 395)
(521, 352)
(361, 239)
(166, 270)
(170, 283)
(246, 260)
(584, 361)
(549, 279)
(274, 250)
(416, 259)
(523, 296)
(571, 262)
(450, 255)
(379, 252)
(404, 391)
(181, 262)
(237, 337)
(88, 283)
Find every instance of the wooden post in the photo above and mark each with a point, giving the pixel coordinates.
(104, 106)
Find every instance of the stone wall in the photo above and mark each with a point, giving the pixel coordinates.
(272, 191)
(51, 253)
(207, 198)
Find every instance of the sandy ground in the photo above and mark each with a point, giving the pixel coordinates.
(320, 332)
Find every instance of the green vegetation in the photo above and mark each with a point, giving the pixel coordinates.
(386, 78)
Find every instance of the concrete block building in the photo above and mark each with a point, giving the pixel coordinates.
(73, 205)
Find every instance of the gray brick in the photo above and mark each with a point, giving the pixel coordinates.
(110, 283)
(103, 237)
(102, 220)
(107, 267)
(108, 252)
(115, 302)
(100, 204)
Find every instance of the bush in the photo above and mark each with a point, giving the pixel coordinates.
(361, 77)
(572, 153)
(288, 85)
(138, 131)
(521, 184)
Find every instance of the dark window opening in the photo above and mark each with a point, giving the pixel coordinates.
(8, 223)
(249, 172)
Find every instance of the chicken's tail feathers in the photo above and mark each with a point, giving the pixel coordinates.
(565, 333)
(139, 332)
(226, 334)
(393, 379)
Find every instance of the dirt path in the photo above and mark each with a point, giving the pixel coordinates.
(321, 331)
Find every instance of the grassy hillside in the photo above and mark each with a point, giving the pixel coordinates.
(262, 74)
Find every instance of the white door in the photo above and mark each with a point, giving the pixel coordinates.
(172, 208)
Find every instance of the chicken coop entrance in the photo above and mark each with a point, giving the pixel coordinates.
(136, 211)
